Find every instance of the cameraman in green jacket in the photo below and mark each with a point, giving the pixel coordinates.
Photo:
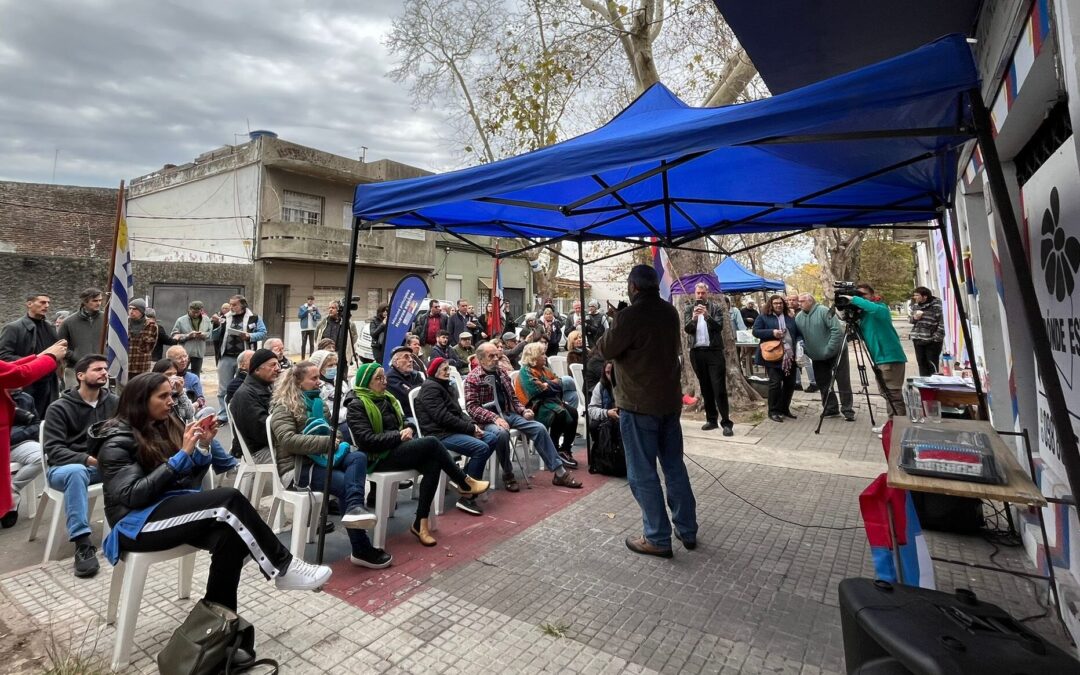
(883, 344)
(823, 334)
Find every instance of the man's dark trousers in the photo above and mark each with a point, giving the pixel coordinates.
(711, 371)
(823, 373)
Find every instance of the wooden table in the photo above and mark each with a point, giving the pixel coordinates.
(1018, 490)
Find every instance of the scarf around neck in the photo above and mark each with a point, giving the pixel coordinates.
(369, 398)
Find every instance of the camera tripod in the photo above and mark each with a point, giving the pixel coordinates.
(862, 357)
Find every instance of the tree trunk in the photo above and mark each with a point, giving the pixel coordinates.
(741, 396)
(837, 252)
(544, 278)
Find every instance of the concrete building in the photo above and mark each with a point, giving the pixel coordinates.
(278, 214)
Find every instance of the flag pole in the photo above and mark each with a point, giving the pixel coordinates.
(104, 340)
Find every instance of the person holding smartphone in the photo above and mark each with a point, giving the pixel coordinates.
(703, 321)
(192, 330)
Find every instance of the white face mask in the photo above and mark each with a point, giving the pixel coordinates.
(330, 373)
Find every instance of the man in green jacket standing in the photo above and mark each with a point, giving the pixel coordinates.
(823, 334)
(884, 347)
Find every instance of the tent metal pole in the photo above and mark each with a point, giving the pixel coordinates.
(1044, 357)
(583, 395)
(965, 325)
(343, 339)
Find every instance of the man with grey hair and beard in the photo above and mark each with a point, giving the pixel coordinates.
(823, 334)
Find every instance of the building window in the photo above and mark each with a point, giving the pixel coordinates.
(298, 207)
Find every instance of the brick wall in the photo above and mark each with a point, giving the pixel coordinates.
(56, 220)
(63, 278)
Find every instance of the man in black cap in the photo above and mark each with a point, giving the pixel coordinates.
(251, 402)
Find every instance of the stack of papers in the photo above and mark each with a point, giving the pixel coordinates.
(943, 381)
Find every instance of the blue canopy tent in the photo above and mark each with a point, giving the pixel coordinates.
(872, 147)
(734, 278)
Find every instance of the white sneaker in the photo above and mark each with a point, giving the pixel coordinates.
(359, 518)
(877, 430)
(303, 576)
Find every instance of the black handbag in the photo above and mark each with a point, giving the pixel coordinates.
(606, 454)
(213, 639)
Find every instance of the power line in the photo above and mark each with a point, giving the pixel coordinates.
(113, 215)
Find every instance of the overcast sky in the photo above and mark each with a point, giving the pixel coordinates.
(121, 87)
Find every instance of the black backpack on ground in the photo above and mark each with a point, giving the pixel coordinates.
(606, 449)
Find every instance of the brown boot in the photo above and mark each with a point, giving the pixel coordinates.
(423, 533)
(473, 487)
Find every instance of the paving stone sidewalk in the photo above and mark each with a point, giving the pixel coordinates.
(779, 530)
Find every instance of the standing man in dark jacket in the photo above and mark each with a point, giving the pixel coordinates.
(32, 334)
(460, 322)
(251, 403)
(83, 332)
(704, 321)
(439, 414)
(72, 469)
(237, 330)
(426, 326)
(643, 341)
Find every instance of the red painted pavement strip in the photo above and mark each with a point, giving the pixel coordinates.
(462, 539)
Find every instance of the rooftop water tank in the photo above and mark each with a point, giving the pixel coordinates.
(260, 133)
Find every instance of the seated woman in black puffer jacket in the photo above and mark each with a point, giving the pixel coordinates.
(152, 467)
(378, 429)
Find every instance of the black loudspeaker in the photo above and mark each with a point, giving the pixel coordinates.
(943, 513)
(891, 629)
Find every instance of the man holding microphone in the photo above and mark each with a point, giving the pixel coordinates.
(643, 341)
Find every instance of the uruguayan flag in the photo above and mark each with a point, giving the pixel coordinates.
(118, 305)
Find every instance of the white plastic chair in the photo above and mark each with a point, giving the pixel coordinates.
(248, 466)
(306, 506)
(385, 483)
(28, 496)
(126, 591)
(57, 524)
(558, 365)
(459, 382)
(577, 371)
(440, 493)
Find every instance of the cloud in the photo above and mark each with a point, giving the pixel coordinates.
(118, 88)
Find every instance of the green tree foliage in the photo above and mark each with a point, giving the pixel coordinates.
(887, 265)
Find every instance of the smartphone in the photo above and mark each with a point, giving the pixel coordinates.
(207, 418)
(701, 303)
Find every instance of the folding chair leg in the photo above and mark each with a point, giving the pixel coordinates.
(300, 514)
(184, 573)
(52, 543)
(114, 592)
(42, 505)
(131, 593)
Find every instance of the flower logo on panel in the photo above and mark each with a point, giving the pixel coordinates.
(1059, 254)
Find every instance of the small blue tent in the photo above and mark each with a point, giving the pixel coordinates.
(734, 278)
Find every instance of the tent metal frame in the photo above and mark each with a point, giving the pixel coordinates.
(982, 132)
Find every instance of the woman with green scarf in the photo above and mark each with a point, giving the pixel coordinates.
(378, 429)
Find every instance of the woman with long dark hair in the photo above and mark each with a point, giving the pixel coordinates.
(377, 328)
(152, 467)
(777, 322)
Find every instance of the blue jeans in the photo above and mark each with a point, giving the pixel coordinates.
(220, 458)
(569, 391)
(74, 481)
(479, 450)
(347, 482)
(226, 371)
(538, 434)
(646, 440)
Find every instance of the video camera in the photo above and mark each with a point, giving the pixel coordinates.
(841, 303)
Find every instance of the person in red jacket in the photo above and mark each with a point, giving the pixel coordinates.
(13, 375)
